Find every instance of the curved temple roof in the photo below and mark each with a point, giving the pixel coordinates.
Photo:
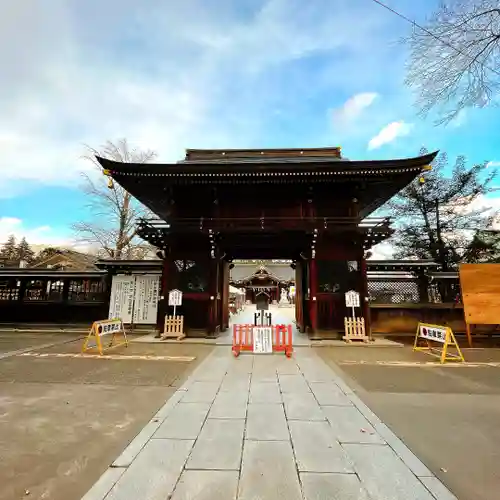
(268, 166)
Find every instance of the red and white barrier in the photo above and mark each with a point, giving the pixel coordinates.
(243, 339)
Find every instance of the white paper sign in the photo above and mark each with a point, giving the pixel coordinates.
(147, 288)
(175, 298)
(109, 326)
(435, 333)
(121, 304)
(262, 340)
(352, 299)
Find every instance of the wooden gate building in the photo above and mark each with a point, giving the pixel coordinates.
(309, 205)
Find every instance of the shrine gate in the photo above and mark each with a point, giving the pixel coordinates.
(311, 206)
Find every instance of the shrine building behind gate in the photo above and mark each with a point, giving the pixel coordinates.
(311, 206)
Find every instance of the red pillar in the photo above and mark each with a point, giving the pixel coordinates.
(164, 289)
(214, 296)
(364, 298)
(313, 303)
(225, 294)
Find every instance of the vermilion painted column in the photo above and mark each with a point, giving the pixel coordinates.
(313, 303)
(365, 303)
(163, 303)
(225, 294)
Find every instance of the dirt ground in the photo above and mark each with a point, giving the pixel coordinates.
(448, 416)
(63, 420)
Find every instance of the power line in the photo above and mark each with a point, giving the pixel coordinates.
(436, 37)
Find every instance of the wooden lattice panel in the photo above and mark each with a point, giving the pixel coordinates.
(174, 327)
(355, 329)
(481, 293)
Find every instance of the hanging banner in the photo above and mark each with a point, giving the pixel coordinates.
(121, 304)
(147, 288)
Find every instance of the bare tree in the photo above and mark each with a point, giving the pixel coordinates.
(454, 59)
(115, 212)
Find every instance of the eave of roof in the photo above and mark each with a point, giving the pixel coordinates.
(312, 166)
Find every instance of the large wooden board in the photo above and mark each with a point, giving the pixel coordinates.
(481, 293)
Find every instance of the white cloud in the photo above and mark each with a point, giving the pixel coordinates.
(352, 109)
(162, 82)
(389, 133)
(492, 164)
(41, 235)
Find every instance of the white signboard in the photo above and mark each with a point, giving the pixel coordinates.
(108, 327)
(147, 288)
(262, 340)
(175, 298)
(352, 299)
(435, 333)
(121, 304)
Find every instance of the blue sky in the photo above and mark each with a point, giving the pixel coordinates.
(202, 73)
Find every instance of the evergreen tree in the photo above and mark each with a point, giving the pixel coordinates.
(442, 216)
(45, 254)
(24, 251)
(8, 250)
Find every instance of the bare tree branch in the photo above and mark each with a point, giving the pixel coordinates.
(454, 61)
(116, 211)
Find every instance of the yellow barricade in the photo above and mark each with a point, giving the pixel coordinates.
(437, 340)
(100, 329)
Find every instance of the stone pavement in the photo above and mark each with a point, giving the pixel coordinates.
(266, 427)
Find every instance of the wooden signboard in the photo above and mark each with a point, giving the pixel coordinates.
(480, 285)
(101, 329)
(121, 304)
(437, 340)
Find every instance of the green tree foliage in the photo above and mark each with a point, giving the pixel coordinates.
(444, 217)
(8, 250)
(24, 252)
(45, 254)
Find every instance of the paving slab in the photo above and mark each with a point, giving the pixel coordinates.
(304, 407)
(218, 446)
(184, 422)
(155, 471)
(104, 484)
(206, 485)
(384, 474)
(229, 405)
(268, 472)
(137, 444)
(287, 367)
(350, 426)
(437, 488)
(262, 392)
(201, 392)
(235, 382)
(332, 487)
(164, 411)
(316, 449)
(266, 422)
(404, 453)
(293, 384)
(328, 393)
(264, 376)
